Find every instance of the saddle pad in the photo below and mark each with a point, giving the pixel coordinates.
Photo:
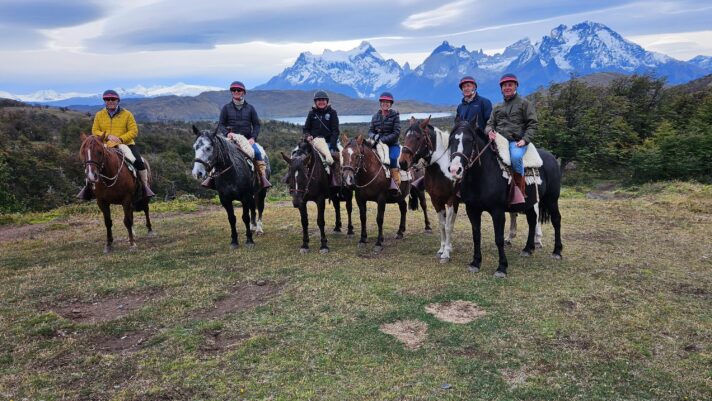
(531, 157)
(245, 146)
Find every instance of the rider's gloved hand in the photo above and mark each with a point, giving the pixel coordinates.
(231, 136)
(492, 135)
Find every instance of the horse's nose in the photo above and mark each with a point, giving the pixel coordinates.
(403, 164)
(456, 171)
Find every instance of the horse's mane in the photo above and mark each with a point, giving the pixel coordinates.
(229, 153)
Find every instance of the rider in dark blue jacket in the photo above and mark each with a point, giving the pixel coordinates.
(473, 106)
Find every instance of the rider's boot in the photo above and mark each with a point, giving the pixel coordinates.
(262, 172)
(208, 183)
(147, 193)
(395, 182)
(86, 193)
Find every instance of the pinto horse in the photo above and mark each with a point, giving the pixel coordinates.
(308, 181)
(234, 180)
(363, 171)
(483, 188)
(113, 184)
(423, 142)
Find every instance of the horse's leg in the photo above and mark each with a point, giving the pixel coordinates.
(512, 228)
(253, 214)
(148, 220)
(248, 217)
(443, 233)
(106, 211)
(475, 216)
(538, 235)
(403, 206)
(379, 221)
(304, 215)
(260, 209)
(555, 216)
(128, 222)
(499, 221)
(424, 204)
(531, 222)
(337, 213)
(450, 216)
(349, 209)
(362, 215)
(321, 222)
(230, 210)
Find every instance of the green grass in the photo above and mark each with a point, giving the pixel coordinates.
(626, 314)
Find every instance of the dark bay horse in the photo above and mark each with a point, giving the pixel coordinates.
(417, 195)
(113, 184)
(483, 188)
(423, 142)
(234, 179)
(308, 181)
(363, 171)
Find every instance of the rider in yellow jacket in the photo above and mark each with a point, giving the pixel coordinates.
(121, 128)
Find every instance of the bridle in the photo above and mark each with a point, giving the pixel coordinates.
(209, 166)
(471, 160)
(294, 190)
(424, 141)
(100, 166)
(360, 156)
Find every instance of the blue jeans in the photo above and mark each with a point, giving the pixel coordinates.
(517, 153)
(258, 154)
(393, 153)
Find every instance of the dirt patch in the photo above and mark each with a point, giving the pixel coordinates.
(514, 377)
(102, 310)
(691, 290)
(125, 343)
(216, 340)
(460, 312)
(568, 305)
(412, 333)
(242, 297)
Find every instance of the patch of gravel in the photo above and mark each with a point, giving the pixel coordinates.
(460, 312)
(412, 333)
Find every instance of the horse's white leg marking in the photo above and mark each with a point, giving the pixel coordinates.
(538, 235)
(443, 232)
(512, 227)
(449, 223)
(296, 184)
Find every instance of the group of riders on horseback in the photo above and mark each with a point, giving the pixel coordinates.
(510, 124)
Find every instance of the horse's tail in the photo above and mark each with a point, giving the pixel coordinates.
(544, 213)
(414, 199)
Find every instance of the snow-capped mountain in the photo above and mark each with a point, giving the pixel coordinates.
(582, 49)
(360, 72)
(54, 98)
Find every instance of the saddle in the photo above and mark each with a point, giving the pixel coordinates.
(382, 152)
(243, 145)
(531, 160)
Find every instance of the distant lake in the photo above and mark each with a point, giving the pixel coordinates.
(360, 118)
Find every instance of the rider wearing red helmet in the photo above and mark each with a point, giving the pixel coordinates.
(385, 127)
(473, 107)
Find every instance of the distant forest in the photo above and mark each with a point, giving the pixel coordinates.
(633, 130)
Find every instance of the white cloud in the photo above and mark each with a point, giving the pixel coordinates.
(439, 16)
(682, 45)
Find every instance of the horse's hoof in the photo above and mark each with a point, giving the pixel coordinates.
(323, 250)
(234, 246)
(303, 251)
(538, 246)
(473, 269)
(525, 254)
(399, 236)
(556, 256)
(499, 274)
(250, 245)
(361, 244)
(444, 260)
(507, 242)
(350, 234)
(337, 229)
(377, 248)
(151, 234)
(133, 248)
(259, 232)
(428, 230)
(107, 249)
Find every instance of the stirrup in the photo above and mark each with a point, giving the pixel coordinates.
(208, 183)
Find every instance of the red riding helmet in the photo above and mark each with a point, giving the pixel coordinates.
(508, 78)
(467, 79)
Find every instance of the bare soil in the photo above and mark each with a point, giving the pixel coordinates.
(412, 333)
(103, 310)
(242, 297)
(460, 312)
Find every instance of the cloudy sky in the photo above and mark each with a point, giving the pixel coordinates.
(86, 45)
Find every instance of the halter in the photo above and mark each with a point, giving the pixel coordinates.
(359, 167)
(210, 166)
(470, 159)
(100, 166)
(426, 141)
(309, 178)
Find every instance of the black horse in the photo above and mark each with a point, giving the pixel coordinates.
(308, 181)
(483, 188)
(234, 179)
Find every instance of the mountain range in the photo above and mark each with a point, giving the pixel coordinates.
(582, 49)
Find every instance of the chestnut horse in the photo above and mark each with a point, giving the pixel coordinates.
(113, 184)
(363, 171)
(423, 142)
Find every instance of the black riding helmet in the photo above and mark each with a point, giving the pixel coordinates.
(321, 95)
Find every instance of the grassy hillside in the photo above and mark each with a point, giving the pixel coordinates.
(626, 314)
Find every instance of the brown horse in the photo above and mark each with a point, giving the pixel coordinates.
(363, 171)
(113, 184)
(423, 142)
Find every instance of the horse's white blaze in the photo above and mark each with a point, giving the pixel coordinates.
(456, 164)
(296, 183)
(200, 153)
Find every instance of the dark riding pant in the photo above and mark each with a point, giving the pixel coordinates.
(139, 161)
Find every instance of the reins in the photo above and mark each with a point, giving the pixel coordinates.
(359, 167)
(100, 166)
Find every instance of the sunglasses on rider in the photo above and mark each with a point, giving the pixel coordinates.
(236, 90)
(111, 99)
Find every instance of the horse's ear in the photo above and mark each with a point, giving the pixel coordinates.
(196, 131)
(425, 122)
(344, 139)
(413, 120)
(82, 137)
(286, 158)
(359, 139)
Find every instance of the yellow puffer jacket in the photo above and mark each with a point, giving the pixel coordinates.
(122, 125)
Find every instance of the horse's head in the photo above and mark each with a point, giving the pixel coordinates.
(93, 154)
(352, 156)
(462, 142)
(298, 173)
(205, 152)
(417, 144)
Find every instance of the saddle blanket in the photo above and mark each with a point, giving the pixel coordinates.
(531, 160)
(383, 154)
(244, 145)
